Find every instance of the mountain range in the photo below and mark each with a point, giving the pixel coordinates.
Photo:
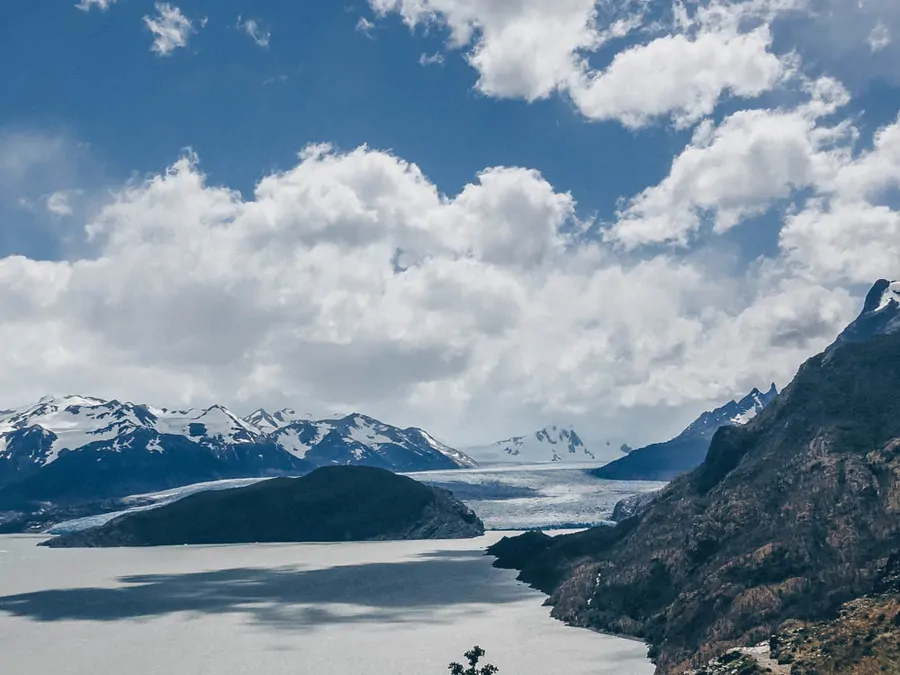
(664, 461)
(550, 444)
(83, 448)
(786, 539)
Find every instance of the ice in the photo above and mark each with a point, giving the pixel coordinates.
(151, 500)
(380, 608)
(561, 495)
(506, 498)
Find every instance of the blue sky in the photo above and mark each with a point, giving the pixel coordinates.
(613, 215)
(248, 110)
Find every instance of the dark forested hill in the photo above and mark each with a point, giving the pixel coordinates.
(330, 504)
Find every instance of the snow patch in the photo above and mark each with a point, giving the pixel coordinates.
(891, 295)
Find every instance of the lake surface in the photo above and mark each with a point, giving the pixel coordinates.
(383, 608)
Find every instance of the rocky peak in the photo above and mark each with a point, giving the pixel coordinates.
(880, 314)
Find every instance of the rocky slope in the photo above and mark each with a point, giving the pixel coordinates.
(788, 517)
(862, 638)
(76, 449)
(329, 504)
(665, 461)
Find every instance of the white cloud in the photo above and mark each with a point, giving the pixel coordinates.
(879, 38)
(365, 26)
(844, 242)
(351, 282)
(252, 28)
(171, 29)
(102, 5)
(531, 49)
(522, 49)
(638, 61)
(847, 233)
(436, 59)
(738, 169)
(59, 203)
(678, 75)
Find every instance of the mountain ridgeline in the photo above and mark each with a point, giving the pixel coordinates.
(788, 518)
(664, 461)
(76, 449)
(340, 503)
(550, 444)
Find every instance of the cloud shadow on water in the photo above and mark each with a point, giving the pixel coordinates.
(290, 598)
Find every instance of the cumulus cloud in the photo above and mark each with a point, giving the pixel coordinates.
(351, 282)
(252, 28)
(532, 49)
(738, 169)
(663, 60)
(680, 76)
(171, 29)
(849, 232)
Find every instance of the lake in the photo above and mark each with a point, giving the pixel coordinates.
(381, 608)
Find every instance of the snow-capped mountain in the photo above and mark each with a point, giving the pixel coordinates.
(880, 314)
(267, 422)
(664, 461)
(78, 447)
(359, 439)
(732, 413)
(550, 444)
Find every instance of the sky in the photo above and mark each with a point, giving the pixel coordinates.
(474, 216)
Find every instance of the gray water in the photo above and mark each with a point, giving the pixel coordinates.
(385, 608)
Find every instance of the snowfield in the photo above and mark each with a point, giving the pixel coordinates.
(382, 608)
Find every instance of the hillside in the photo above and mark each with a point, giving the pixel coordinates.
(787, 518)
(329, 504)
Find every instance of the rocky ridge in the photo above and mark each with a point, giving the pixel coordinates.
(665, 461)
(788, 518)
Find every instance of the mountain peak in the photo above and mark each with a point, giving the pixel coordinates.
(882, 294)
(71, 399)
(664, 461)
(880, 314)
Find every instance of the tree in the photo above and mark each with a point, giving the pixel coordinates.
(473, 656)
